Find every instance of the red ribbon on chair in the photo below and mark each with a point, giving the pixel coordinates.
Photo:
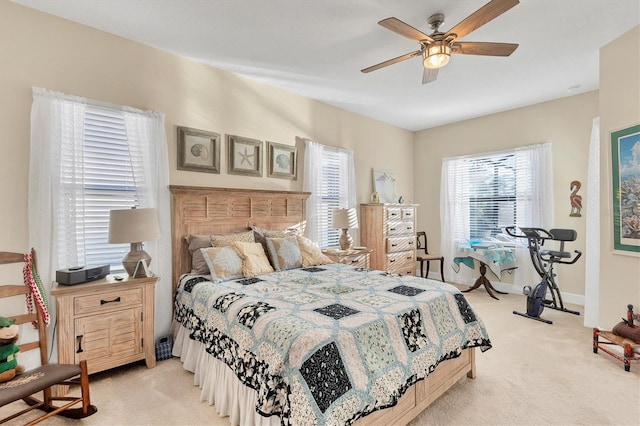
(32, 280)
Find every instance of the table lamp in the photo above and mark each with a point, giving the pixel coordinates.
(134, 226)
(345, 219)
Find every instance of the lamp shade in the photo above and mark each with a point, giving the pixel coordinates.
(345, 218)
(133, 226)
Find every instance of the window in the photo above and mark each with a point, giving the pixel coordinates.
(87, 158)
(482, 194)
(329, 176)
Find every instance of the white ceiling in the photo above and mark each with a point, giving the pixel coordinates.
(317, 48)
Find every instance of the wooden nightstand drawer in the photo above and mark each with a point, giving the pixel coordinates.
(107, 301)
(358, 257)
(361, 261)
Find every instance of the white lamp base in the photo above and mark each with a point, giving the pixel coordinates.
(345, 240)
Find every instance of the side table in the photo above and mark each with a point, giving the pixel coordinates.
(107, 322)
(359, 257)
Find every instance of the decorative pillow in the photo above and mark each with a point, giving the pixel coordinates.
(196, 242)
(254, 259)
(223, 262)
(284, 253)
(261, 236)
(224, 240)
(311, 253)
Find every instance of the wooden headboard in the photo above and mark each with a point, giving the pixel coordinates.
(205, 211)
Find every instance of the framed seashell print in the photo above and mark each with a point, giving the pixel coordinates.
(198, 150)
(283, 161)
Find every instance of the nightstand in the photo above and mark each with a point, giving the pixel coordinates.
(359, 257)
(107, 322)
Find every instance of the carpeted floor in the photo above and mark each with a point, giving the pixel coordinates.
(535, 374)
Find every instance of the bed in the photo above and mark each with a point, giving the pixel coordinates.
(321, 344)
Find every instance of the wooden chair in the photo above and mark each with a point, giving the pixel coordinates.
(427, 257)
(42, 379)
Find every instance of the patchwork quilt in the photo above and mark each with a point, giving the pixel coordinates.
(327, 345)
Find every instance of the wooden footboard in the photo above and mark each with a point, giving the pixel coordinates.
(423, 393)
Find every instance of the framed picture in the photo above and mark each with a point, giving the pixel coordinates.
(384, 183)
(198, 150)
(283, 161)
(245, 156)
(625, 145)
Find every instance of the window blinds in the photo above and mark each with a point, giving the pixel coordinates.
(110, 176)
(332, 187)
(495, 190)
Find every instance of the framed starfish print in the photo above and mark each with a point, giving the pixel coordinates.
(245, 156)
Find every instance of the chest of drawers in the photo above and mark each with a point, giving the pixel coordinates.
(390, 231)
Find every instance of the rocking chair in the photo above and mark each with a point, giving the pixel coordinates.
(24, 386)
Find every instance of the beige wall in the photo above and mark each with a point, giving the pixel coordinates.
(565, 123)
(40, 50)
(619, 108)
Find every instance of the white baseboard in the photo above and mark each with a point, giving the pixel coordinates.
(573, 299)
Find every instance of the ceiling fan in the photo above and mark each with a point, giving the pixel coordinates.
(437, 48)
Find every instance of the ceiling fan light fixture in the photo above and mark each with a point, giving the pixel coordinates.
(437, 55)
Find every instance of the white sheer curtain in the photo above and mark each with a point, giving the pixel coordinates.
(534, 204)
(314, 158)
(592, 255)
(56, 195)
(147, 138)
(312, 183)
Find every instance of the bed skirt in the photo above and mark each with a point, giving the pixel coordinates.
(220, 387)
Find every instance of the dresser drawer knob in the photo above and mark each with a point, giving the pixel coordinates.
(104, 302)
(79, 339)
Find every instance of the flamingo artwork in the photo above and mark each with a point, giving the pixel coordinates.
(576, 200)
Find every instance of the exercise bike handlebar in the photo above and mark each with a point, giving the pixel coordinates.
(572, 261)
(540, 235)
(528, 233)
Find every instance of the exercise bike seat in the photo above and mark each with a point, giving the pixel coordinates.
(556, 254)
(561, 235)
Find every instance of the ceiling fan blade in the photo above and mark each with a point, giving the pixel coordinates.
(404, 29)
(484, 48)
(486, 13)
(429, 75)
(392, 61)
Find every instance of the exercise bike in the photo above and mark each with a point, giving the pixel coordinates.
(544, 261)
